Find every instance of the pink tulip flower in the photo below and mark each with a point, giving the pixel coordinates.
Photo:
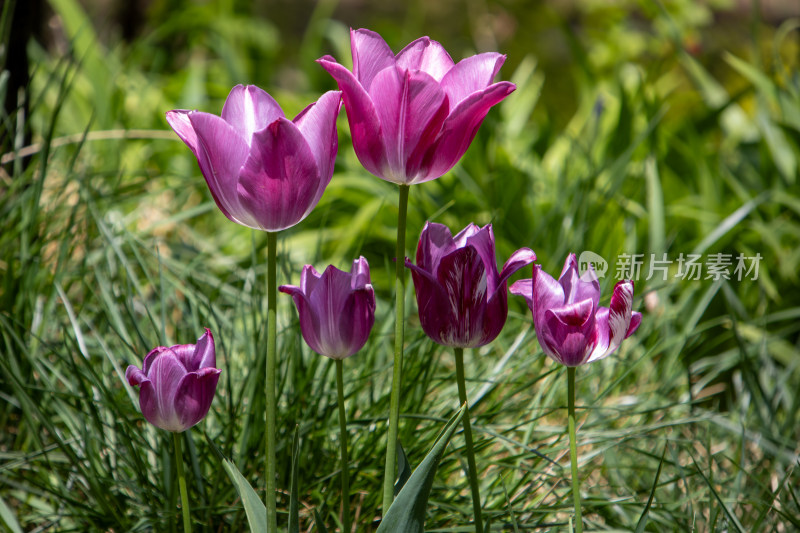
(177, 384)
(264, 171)
(461, 297)
(412, 116)
(570, 326)
(337, 309)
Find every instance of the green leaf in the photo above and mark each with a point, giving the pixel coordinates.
(294, 498)
(643, 519)
(407, 513)
(403, 469)
(7, 517)
(253, 506)
(319, 522)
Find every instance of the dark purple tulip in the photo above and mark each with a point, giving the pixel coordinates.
(177, 384)
(337, 309)
(461, 297)
(264, 171)
(412, 116)
(572, 329)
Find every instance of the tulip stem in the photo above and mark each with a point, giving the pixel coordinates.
(187, 521)
(343, 441)
(269, 496)
(473, 471)
(573, 448)
(397, 369)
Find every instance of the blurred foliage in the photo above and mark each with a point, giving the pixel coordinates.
(637, 127)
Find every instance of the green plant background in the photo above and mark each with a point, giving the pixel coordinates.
(637, 127)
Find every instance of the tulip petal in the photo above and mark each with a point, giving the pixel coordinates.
(359, 273)
(411, 108)
(571, 330)
(463, 277)
(460, 128)
(148, 404)
(426, 55)
(433, 305)
(579, 287)
(460, 240)
(165, 374)
(470, 75)
(221, 154)
(178, 120)
(309, 279)
(371, 55)
(547, 294)
(205, 351)
(572, 315)
(519, 259)
(483, 243)
(309, 319)
(317, 123)
(328, 299)
(134, 376)
(600, 349)
(184, 353)
(280, 178)
(435, 242)
(365, 128)
(193, 396)
(620, 312)
(356, 319)
(249, 109)
(151, 356)
(636, 320)
(524, 288)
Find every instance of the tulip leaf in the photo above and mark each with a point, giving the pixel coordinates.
(253, 506)
(407, 513)
(403, 469)
(294, 498)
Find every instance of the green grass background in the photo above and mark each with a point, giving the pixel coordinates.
(637, 127)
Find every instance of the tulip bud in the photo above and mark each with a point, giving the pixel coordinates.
(337, 309)
(177, 384)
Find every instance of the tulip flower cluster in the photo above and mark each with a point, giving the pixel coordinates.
(412, 116)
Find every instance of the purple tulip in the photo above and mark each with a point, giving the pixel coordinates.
(337, 309)
(264, 171)
(572, 329)
(412, 116)
(177, 384)
(461, 297)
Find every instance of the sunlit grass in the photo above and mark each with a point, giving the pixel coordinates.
(110, 245)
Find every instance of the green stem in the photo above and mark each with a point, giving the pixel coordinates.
(343, 431)
(473, 471)
(270, 495)
(573, 448)
(187, 521)
(397, 369)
